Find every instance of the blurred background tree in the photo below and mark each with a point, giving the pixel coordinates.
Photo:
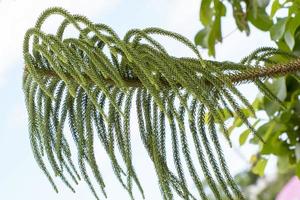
(281, 130)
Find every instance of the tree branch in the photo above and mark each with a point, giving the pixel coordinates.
(247, 75)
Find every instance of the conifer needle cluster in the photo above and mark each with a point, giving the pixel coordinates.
(90, 84)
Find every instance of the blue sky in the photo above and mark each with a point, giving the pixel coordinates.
(20, 178)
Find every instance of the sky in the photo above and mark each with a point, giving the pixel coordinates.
(20, 177)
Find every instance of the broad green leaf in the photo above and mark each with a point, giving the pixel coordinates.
(265, 131)
(294, 98)
(240, 17)
(285, 116)
(277, 30)
(243, 137)
(270, 107)
(257, 103)
(201, 38)
(206, 12)
(275, 7)
(282, 45)
(278, 87)
(260, 166)
(298, 169)
(245, 134)
(254, 8)
(269, 130)
(237, 122)
(211, 42)
(278, 58)
(216, 29)
(262, 20)
(294, 7)
(292, 36)
(293, 23)
(263, 3)
(262, 131)
(275, 146)
(296, 49)
(225, 114)
(222, 9)
(283, 164)
(289, 39)
(297, 152)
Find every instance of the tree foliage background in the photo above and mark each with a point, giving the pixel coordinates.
(281, 131)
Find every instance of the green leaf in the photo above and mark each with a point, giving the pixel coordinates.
(254, 8)
(275, 7)
(225, 114)
(222, 9)
(263, 3)
(260, 166)
(271, 134)
(283, 164)
(297, 152)
(289, 39)
(211, 42)
(275, 146)
(216, 29)
(201, 38)
(256, 104)
(266, 130)
(240, 17)
(282, 45)
(277, 30)
(286, 116)
(262, 20)
(245, 134)
(294, 7)
(237, 122)
(243, 137)
(294, 23)
(206, 12)
(296, 49)
(278, 87)
(298, 169)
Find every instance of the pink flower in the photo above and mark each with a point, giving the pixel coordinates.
(291, 191)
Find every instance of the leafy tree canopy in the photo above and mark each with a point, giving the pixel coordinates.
(281, 19)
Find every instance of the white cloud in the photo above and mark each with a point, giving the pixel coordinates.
(19, 15)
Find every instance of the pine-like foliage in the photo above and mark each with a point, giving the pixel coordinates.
(89, 85)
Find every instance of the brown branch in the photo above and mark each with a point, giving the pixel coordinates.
(247, 75)
(266, 72)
